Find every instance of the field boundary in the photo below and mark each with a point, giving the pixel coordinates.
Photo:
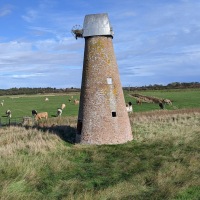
(5, 121)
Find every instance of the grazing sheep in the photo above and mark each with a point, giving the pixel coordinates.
(129, 107)
(41, 115)
(59, 112)
(167, 101)
(2, 102)
(8, 113)
(161, 105)
(76, 102)
(139, 102)
(34, 112)
(46, 99)
(63, 106)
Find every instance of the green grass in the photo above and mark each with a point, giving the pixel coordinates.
(23, 105)
(182, 98)
(162, 162)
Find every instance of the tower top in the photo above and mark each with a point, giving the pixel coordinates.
(97, 24)
(94, 24)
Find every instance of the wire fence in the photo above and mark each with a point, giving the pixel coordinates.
(6, 121)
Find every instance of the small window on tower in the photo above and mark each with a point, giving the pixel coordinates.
(109, 81)
(114, 114)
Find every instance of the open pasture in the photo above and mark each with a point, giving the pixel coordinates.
(181, 99)
(22, 105)
(162, 162)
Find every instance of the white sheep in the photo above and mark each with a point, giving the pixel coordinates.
(63, 106)
(59, 112)
(8, 113)
(2, 102)
(129, 107)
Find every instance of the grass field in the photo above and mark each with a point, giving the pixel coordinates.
(181, 98)
(162, 162)
(23, 105)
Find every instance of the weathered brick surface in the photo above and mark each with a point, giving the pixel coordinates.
(103, 118)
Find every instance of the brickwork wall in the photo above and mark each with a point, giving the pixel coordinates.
(103, 118)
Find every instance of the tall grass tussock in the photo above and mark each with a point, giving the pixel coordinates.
(162, 162)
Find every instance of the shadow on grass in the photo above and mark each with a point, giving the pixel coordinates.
(4, 116)
(66, 133)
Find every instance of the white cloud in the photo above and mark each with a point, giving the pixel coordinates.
(30, 16)
(6, 10)
(22, 76)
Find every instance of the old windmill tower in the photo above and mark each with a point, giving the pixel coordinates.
(103, 118)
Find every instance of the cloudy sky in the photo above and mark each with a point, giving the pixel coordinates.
(155, 41)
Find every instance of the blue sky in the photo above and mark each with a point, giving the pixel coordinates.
(155, 41)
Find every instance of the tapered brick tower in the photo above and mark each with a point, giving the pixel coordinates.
(103, 118)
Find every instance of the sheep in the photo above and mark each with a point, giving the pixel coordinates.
(129, 107)
(167, 101)
(161, 105)
(34, 112)
(139, 102)
(2, 102)
(76, 102)
(59, 112)
(63, 106)
(41, 115)
(8, 113)
(46, 99)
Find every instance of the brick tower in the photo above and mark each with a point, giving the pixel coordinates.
(102, 118)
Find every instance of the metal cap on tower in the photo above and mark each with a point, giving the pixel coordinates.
(97, 24)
